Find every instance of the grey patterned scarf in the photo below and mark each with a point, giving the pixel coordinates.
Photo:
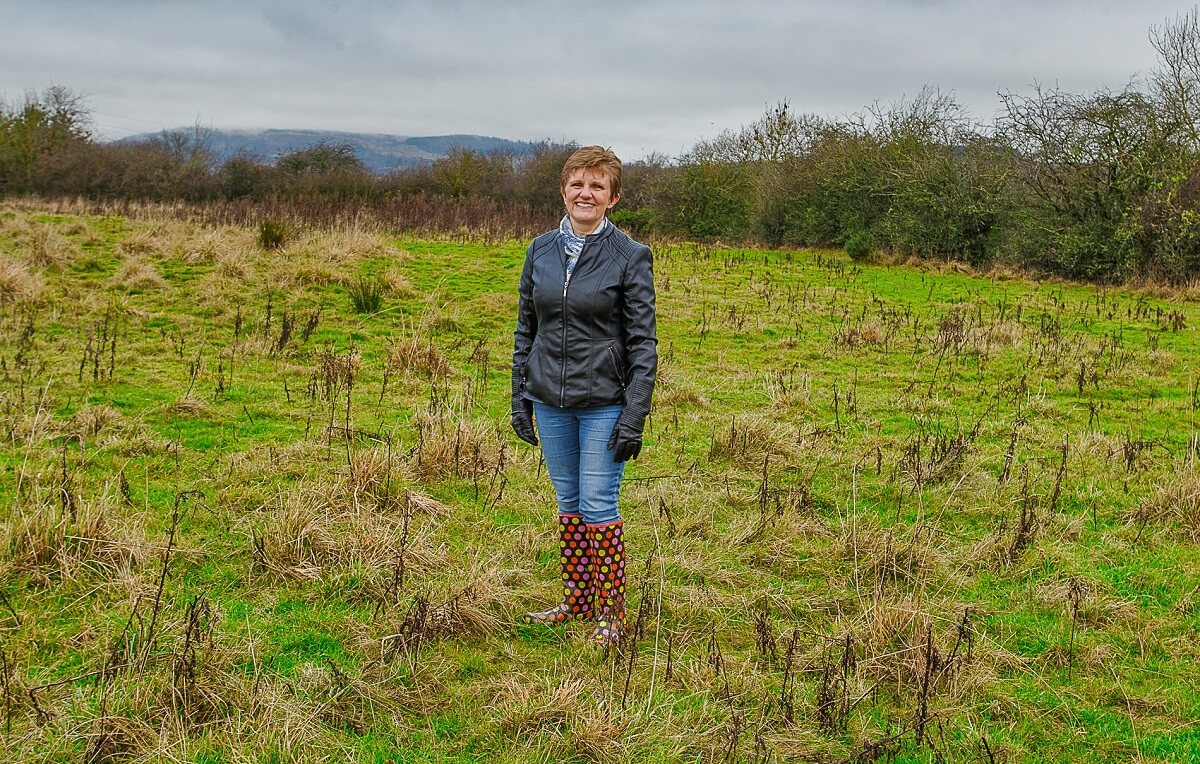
(573, 244)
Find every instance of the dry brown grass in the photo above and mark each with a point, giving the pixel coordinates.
(352, 244)
(371, 476)
(153, 241)
(868, 333)
(1188, 291)
(18, 282)
(292, 461)
(1097, 606)
(352, 701)
(197, 244)
(1004, 334)
(114, 738)
(309, 537)
(564, 710)
(45, 247)
(137, 274)
(668, 394)
(884, 559)
(91, 421)
(309, 270)
(747, 440)
(398, 285)
(189, 407)
(455, 447)
(892, 635)
(234, 265)
(76, 227)
(415, 356)
(297, 542)
(322, 257)
(1176, 504)
(47, 541)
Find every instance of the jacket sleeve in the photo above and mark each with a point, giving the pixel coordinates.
(641, 339)
(526, 325)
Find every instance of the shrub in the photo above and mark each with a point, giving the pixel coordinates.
(273, 234)
(858, 246)
(367, 294)
(634, 221)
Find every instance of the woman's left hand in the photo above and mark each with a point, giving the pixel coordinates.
(625, 442)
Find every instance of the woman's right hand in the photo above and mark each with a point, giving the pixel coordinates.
(522, 420)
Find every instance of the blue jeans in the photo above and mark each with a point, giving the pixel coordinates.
(575, 445)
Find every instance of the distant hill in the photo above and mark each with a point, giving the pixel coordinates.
(378, 151)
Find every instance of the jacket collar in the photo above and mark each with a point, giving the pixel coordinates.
(565, 230)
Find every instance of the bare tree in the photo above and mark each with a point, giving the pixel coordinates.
(777, 135)
(1176, 82)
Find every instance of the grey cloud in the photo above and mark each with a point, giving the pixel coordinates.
(641, 76)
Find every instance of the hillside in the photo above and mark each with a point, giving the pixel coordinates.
(380, 152)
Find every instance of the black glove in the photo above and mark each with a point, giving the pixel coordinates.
(625, 441)
(522, 420)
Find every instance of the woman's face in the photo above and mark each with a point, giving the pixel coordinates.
(588, 196)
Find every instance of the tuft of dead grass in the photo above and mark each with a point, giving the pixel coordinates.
(887, 559)
(136, 274)
(76, 227)
(398, 285)
(114, 738)
(352, 701)
(1175, 504)
(422, 358)
(189, 407)
(902, 643)
(1097, 606)
(18, 283)
(747, 440)
(48, 541)
(234, 265)
(143, 242)
(678, 395)
(46, 248)
(456, 447)
(869, 333)
(468, 613)
(565, 711)
(90, 421)
(349, 244)
(309, 537)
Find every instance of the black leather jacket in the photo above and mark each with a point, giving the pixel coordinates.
(592, 341)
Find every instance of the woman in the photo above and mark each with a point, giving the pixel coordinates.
(584, 361)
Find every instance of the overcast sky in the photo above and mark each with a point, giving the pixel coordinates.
(648, 76)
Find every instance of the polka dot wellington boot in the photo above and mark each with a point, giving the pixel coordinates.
(576, 603)
(608, 572)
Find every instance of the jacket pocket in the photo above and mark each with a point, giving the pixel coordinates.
(536, 375)
(618, 367)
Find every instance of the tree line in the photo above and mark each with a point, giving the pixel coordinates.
(1102, 185)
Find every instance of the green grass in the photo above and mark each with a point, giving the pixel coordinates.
(839, 455)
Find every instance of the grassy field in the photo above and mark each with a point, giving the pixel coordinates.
(264, 505)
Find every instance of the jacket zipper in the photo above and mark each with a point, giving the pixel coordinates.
(617, 367)
(562, 385)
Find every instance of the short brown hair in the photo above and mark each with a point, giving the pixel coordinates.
(592, 157)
